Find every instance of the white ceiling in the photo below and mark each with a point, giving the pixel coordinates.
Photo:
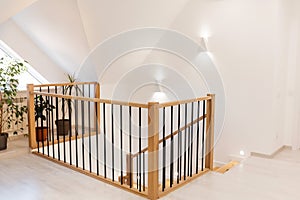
(67, 31)
(11, 7)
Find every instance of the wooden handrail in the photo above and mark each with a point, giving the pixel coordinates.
(169, 136)
(65, 84)
(124, 103)
(174, 103)
(67, 96)
(96, 100)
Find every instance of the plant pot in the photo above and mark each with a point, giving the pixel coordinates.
(41, 133)
(63, 126)
(3, 141)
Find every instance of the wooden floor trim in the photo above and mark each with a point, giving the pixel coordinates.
(182, 183)
(93, 175)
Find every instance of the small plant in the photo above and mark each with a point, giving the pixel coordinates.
(64, 125)
(10, 112)
(42, 106)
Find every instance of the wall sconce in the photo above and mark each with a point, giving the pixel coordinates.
(203, 43)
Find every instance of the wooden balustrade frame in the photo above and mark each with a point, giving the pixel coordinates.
(152, 192)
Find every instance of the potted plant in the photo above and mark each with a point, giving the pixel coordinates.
(63, 125)
(41, 107)
(10, 112)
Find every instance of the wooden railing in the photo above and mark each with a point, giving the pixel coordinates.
(148, 149)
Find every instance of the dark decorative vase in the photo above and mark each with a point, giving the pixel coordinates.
(3, 141)
(63, 126)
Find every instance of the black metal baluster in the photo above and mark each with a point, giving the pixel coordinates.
(63, 120)
(197, 152)
(89, 124)
(70, 126)
(76, 129)
(164, 150)
(113, 142)
(42, 125)
(203, 134)
(121, 142)
(185, 135)
(37, 125)
(48, 123)
(104, 138)
(192, 140)
(130, 149)
(179, 147)
(140, 147)
(52, 129)
(57, 116)
(82, 134)
(172, 150)
(144, 174)
(137, 172)
(97, 137)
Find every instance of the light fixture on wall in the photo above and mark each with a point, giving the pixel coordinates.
(159, 95)
(242, 152)
(203, 42)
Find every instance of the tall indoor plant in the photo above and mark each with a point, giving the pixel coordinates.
(64, 125)
(10, 112)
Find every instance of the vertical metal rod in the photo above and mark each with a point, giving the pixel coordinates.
(82, 134)
(203, 134)
(113, 142)
(70, 127)
(137, 172)
(140, 147)
(76, 129)
(42, 125)
(90, 131)
(57, 116)
(178, 147)
(192, 140)
(52, 129)
(130, 148)
(97, 137)
(144, 174)
(104, 138)
(164, 150)
(197, 151)
(37, 124)
(185, 135)
(121, 142)
(63, 121)
(48, 123)
(172, 150)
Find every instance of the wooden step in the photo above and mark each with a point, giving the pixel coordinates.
(226, 167)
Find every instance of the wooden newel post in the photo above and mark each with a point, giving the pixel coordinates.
(31, 117)
(210, 115)
(153, 147)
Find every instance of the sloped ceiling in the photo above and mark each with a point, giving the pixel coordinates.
(55, 27)
(11, 7)
(104, 18)
(67, 31)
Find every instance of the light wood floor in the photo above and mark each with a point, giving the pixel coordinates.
(27, 177)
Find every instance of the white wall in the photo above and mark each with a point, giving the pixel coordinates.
(292, 27)
(246, 41)
(254, 44)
